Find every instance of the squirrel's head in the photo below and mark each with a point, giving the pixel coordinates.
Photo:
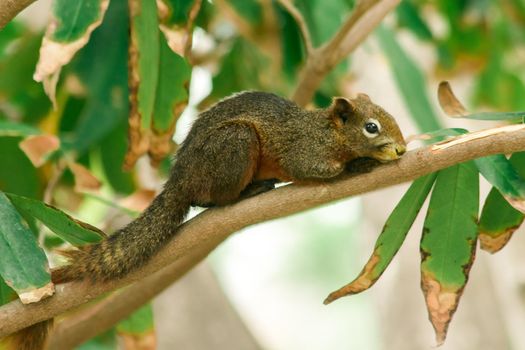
(368, 130)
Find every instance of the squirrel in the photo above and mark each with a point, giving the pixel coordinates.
(240, 147)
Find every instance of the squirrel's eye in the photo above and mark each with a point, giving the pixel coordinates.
(371, 128)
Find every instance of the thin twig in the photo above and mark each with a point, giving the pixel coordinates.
(243, 26)
(365, 18)
(194, 11)
(200, 235)
(301, 23)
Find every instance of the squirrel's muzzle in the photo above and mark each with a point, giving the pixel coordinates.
(390, 151)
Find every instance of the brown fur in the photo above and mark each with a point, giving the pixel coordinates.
(239, 147)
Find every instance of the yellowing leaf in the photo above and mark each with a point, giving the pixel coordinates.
(38, 148)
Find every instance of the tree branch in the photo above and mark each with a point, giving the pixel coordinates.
(10, 8)
(301, 23)
(200, 235)
(365, 18)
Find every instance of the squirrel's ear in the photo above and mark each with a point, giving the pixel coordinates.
(363, 96)
(342, 109)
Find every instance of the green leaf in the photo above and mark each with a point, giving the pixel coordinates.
(408, 16)
(104, 341)
(112, 151)
(390, 239)
(292, 46)
(74, 21)
(13, 163)
(324, 17)
(250, 9)
(410, 80)
(8, 128)
(73, 231)
(178, 11)
(107, 84)
(499, 220)
(17, 87)
(141, 321)
(498, 170)
(23, 265)
(233, 77)
(74, 18)
(448, 242)
(519, 115)
(7, 294)
(145, 34)
(172, 89)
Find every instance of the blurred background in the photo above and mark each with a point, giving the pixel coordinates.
(263, 288)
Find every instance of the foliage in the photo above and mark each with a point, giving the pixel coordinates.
(260, 46)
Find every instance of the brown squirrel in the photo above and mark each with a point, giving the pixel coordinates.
(240, 147)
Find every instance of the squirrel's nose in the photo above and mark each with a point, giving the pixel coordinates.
(400, 149)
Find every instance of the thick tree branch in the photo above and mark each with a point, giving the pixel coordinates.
(200, 235)
(365, 18)
(10, 8)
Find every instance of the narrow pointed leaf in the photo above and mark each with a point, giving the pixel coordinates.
(106, 84)
(170, 101)
(448, 242)
(71, 230)
(498, 170)
(159, 80)
(23, 265)
(8, 128)
(390, 239)
(495, 115)
(144, 53)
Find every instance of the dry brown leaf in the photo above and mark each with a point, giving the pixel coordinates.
(441, 305)
(176, 38)
(138, 139)
(495, 244)
(139, 200)
(54, 55)
(145, 341)
(361, 283)
(38, 294)
(449, 102)
(38, 147)
(84, 180)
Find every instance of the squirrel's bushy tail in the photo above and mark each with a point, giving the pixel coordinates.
(126, 250)
(31, 338)
(130, 247)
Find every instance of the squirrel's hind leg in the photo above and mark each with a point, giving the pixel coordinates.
(229, 162)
